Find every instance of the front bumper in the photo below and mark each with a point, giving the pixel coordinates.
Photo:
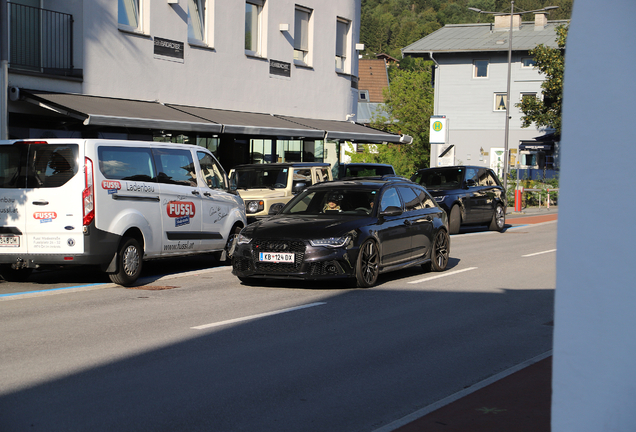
(311, 262)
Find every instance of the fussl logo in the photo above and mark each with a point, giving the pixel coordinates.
(180, 208)
(111, 184)
(44, 215)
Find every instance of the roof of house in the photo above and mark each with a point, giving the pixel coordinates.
(372, 76)
(485, 37)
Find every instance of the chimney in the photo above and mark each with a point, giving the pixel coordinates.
(502, 22)
(540, 21)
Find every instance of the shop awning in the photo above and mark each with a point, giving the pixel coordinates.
(245, 123)
(349, 131)
(104, 111)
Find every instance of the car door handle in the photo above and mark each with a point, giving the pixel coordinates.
(407, 222)
(40, 202)
(207, 194)
(194, 192)
(429, 218)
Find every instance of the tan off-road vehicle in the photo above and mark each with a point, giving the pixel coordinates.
(264, 185)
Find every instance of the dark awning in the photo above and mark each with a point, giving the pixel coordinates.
(245, 123)
(104, 111)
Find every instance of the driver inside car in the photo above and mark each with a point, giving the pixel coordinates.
(333, 203)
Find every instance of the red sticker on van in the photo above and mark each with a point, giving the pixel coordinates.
(111, 184)
(45, 215)
(180, 208)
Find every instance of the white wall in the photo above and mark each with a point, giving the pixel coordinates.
(120, 64)
(594, 381)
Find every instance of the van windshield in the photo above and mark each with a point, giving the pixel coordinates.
(261, 177)
(24, 165)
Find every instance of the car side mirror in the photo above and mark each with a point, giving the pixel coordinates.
(471, 183)
(275, 208)
(391, 211)
(298, 187)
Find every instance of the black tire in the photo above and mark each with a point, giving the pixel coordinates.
(454, 220)
(498, 221)
(129, 262)
(12, 275)
(440, 251)
(367, 265)
(236, 229)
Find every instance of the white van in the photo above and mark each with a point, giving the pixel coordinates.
(111, 203)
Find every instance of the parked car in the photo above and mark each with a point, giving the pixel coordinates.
(346, 229)
(364, 170)
(111, 203)
(264, 185)
(471, 195)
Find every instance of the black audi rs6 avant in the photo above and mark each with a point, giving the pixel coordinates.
(346, 229)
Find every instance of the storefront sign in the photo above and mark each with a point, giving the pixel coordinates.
(280, 68)
(536, 146)
(168, 48)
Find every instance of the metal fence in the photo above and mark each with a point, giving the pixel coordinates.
(40, 40)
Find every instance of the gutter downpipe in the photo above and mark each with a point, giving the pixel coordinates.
(4, 70)
(436, 86)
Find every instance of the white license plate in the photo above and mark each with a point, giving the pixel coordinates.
(9, 240)
(276, 257)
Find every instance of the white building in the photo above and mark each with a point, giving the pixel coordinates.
(470, 79)
(253, 80)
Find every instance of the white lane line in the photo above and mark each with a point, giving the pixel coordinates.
(251, 317)
(443, 275)
(391, 427)
(538, 253)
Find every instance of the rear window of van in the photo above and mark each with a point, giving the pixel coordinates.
(32, 166)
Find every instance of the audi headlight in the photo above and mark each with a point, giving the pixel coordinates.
(254, 206)
(241, 239)
(330, 242)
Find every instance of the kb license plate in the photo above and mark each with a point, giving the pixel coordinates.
(276, 257)
(9, 240)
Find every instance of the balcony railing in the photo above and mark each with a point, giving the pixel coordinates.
(41, 40)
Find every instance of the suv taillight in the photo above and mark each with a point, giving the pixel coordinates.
(88, 194)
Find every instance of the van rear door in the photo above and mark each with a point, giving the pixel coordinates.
(40, 197)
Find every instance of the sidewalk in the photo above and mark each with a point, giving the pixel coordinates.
(517, 400)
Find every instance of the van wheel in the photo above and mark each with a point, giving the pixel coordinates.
(129, 260)
(12, 275)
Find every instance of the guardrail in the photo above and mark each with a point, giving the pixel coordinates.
(520, 190)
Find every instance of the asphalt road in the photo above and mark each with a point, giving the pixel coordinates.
(201, 352)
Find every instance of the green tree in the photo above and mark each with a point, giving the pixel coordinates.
(409, 104)
(550, 62)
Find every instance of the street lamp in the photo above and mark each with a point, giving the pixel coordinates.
(507, 127)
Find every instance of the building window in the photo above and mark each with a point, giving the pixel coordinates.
(500, 102)
(480, 69)
(197, 21)
(528, 62)
(342, 31)
(128, 15)
(301, 35)
(253, 25)
(525, 96)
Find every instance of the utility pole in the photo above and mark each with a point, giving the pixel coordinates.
(4, 70)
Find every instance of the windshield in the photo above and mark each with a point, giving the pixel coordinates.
(261, 177)
(444, 178)
(333, 201)
(37, 165)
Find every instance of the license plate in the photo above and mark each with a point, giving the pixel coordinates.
(276, 257)
(9, 240)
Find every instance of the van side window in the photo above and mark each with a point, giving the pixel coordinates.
(126, 163)
(175, 167)
(212, 172)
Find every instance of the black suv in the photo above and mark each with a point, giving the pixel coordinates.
(471, 195)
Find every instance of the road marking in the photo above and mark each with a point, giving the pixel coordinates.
(539, 253)
(443, 275)
(251, 317)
